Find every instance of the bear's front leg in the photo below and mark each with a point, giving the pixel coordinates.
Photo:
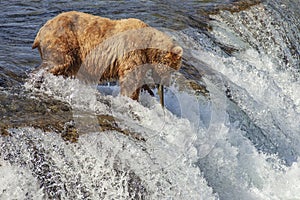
(130, 84)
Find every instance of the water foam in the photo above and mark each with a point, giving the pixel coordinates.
(163, 165)
(256, 155)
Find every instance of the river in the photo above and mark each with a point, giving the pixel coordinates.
(230, 130)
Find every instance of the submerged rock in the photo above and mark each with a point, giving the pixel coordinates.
(236, 6)
(19, 110)
(50, 115)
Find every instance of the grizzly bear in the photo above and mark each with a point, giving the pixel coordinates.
(96, 49)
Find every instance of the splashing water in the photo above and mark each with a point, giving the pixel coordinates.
(109, 164)
(257, 155)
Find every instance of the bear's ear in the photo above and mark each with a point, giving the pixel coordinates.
(178, 51)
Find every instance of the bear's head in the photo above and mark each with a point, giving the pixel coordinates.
(166, 61)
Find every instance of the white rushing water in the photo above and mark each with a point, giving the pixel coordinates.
(241, 142)
(259, 160)
(109, 164)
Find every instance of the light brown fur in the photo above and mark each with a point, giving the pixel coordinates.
(93, 48)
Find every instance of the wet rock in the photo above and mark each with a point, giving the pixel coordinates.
(109, 123)
(233, 6)
(20, 110)
(9, 78)
(48, 114)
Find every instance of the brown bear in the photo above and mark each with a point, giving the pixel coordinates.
(93, 48)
